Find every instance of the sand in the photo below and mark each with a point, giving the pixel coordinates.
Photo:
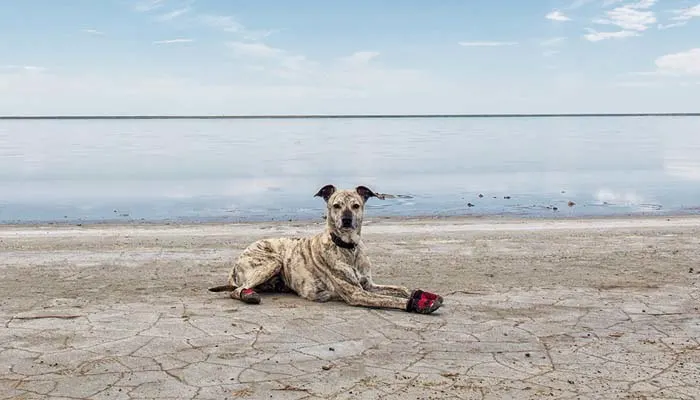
(569, 308)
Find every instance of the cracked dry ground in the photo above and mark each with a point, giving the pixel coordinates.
(580, 310)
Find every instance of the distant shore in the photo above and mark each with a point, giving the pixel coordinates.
(344, 116)
(552, 216)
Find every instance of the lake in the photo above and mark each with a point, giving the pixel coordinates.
(269, 169)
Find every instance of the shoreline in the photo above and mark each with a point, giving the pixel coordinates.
(396, 219)
(462, 218)
(346, 116)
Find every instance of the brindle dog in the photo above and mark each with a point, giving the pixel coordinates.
(331, 265)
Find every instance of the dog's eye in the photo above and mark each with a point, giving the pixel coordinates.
(355, 206)
(336, 206)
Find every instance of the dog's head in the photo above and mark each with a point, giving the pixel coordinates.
(345, 208)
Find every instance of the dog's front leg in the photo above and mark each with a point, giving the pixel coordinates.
(355, 295)
(342, 279)
(417, 300)
(365, 268)
(388, 290)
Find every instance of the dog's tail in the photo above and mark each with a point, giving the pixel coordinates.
(223, 288)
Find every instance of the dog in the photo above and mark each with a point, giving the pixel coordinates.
(331, 265)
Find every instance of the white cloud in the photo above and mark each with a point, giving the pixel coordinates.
(631, 18)
(27, 68)
(359, 58)
(259, 50)
(487, 44)
(295, 66)
(682, 63)
(93, 32)
(671, 25)
(363, 74)
(555, 41)
(148, 5)
(550, 45)
(357, 75)
(579, 3)
(595, 36)
(638, 84)
(229, 24)
(557, 15)
(607, 3)
(635, 17)
(277, 62)
(691, 12)
(173, 14)
(682, 17)
(173, 41)
(224, 22)
(644, 73)
(33, 68)
(675, 65)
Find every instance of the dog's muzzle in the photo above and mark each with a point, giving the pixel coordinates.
(347, 220)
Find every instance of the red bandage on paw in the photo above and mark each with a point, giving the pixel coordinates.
(423, 302)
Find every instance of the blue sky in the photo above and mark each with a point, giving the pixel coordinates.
(364, 56)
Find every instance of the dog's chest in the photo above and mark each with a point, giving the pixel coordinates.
(311, 254)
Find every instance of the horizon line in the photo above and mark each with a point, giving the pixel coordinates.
(345, 116)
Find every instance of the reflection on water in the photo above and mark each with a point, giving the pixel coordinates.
(265, 169)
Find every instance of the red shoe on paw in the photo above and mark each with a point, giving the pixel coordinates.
(423, 302)
(250, 296)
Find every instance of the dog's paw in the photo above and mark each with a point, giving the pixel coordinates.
(423, 302)
(249, 296)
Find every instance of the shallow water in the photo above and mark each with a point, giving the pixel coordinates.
(98, 170)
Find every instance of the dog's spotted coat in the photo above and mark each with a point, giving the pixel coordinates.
(331, 265)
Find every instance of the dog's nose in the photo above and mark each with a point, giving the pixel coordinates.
(347, 222)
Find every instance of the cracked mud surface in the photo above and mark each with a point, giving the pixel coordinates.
(580, 309)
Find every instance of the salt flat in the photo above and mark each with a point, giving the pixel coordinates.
(574, 308)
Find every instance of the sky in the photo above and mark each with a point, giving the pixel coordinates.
(213, 57)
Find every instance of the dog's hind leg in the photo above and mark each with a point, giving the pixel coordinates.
(253, 269)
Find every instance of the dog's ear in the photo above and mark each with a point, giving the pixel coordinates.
(325, 192)
(366, 193)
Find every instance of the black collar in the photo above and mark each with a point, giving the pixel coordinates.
(339, 242)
